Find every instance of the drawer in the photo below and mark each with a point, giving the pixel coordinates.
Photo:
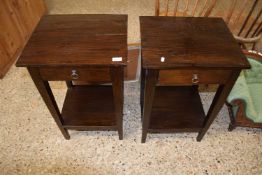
(193, 76)
(74, 73)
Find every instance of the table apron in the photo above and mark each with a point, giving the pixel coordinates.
(193, 77)
(76, 73)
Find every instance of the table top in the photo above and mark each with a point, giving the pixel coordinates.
(187, 42)
(77, 40)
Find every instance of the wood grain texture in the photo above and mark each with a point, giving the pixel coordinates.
(117, 78)
(218, 102)
(210, 8)
(132, 64)
(67, 57)
(195, 7)
(89, 106)
(248, 17)
(92, 75)
(142, 90)
(169, 106)
(49, 99)
(77, 40)
(188, 42)
(231, 10)
(196, 51)
(4, 59)
(241, 16)
(190, 7)
(18, 20)
(11, 36)
(185, 76)
(148, 94)
(130, 71)
(240, 119)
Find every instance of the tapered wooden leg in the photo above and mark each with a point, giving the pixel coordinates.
(69, 84)
(151, 78)
(48, 97)
(232, 125)
(142, 88)
(117, 77)
(218, 102)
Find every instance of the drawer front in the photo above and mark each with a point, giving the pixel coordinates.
(78, 74)
(193, 76)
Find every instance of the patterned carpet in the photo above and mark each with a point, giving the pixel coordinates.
(31, 143)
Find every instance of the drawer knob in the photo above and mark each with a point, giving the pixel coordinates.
(195, 79)
(74, 75)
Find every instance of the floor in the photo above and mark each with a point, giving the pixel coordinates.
(32, 144)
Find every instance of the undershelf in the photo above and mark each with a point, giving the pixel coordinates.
(176, 109)
(89, 108)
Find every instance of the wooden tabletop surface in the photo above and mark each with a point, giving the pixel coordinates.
(189, 42)
(77, 40)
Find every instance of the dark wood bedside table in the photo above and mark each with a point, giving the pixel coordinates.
(178, 53)
(81, 48)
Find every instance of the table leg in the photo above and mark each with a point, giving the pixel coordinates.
(48, 97)
(142, 88)
(151, 77)
(69, 84)
(217, 103)
(117, 77)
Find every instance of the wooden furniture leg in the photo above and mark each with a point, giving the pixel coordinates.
(232, 124)
(48, 97)
(117, 77)
(69, 84)
(240, 119)
(142, 88)
(217, 103)
(149, 92)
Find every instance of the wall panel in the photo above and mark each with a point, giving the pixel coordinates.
(18, 19)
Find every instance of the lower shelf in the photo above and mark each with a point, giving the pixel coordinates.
(89, 108)
(176, 109)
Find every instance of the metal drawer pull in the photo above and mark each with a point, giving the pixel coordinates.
(195, 79)
(74, 75)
